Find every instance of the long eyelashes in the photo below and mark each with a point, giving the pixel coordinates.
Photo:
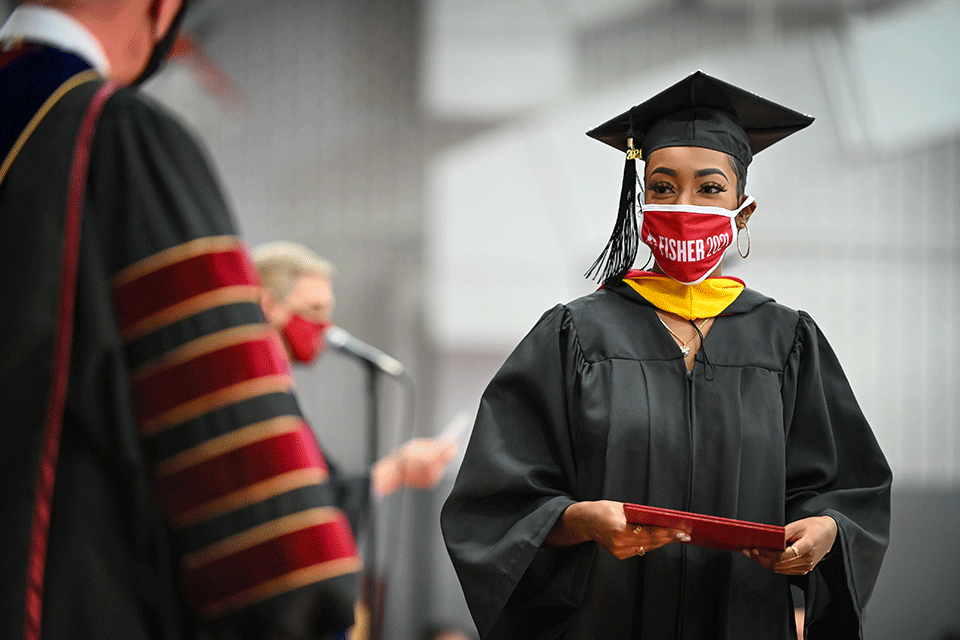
(660, 188)
(713, 187)
(663, 188)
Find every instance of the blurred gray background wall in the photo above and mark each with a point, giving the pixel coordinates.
(435, 152)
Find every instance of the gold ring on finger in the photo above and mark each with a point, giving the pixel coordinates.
(795, 552)
(637, 528)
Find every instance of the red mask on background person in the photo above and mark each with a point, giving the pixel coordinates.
(305, 338)
(688, 241)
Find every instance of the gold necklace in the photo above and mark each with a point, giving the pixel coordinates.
(684, 349)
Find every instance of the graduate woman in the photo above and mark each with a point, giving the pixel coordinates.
(676, 388)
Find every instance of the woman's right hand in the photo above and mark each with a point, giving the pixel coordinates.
(604, 522)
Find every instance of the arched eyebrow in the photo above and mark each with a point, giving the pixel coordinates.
(708, 172)
(664, 170)
(697, 174)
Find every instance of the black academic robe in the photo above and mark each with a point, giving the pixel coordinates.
(596, 403)
(190, 496)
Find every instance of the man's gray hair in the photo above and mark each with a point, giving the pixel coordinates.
(282, 263)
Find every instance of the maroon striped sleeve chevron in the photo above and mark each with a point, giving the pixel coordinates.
(239, 468)
(206, 374)
(310, 546)
(181, 281)
(233, 466)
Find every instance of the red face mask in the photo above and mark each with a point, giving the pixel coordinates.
(688, 241)
(304, 338)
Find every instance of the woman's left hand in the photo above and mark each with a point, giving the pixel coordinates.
(808, 540)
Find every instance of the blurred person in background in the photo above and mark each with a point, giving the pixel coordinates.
(160, 482)
(677, 388)
(298, 300)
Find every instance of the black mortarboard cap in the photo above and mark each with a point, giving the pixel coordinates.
(698, 111)
(702, 111)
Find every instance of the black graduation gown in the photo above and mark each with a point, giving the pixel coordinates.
(596, 403)
(135, 518)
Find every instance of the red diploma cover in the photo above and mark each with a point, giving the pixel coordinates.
(710, 531)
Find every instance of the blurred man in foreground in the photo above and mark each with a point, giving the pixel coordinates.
(160, 482)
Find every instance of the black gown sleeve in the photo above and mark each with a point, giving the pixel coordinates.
(834, 467)
(262, 546)
(515, 481)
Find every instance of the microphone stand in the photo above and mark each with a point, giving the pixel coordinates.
(376, 363)
(373, 447)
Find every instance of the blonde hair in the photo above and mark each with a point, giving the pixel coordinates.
(282, 263)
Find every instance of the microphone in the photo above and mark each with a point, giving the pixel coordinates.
(340, 339)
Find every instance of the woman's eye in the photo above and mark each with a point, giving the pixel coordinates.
(712, 187)
(660, 188)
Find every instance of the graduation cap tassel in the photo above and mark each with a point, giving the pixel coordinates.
(621, 250)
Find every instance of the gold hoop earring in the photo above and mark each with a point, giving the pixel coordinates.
(739, 250)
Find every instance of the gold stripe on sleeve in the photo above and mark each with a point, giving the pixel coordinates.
(266, 531)
(173, 255)
(283, 584)
(251, 495)
(210, 402)
(228, 442)
(193, 306)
